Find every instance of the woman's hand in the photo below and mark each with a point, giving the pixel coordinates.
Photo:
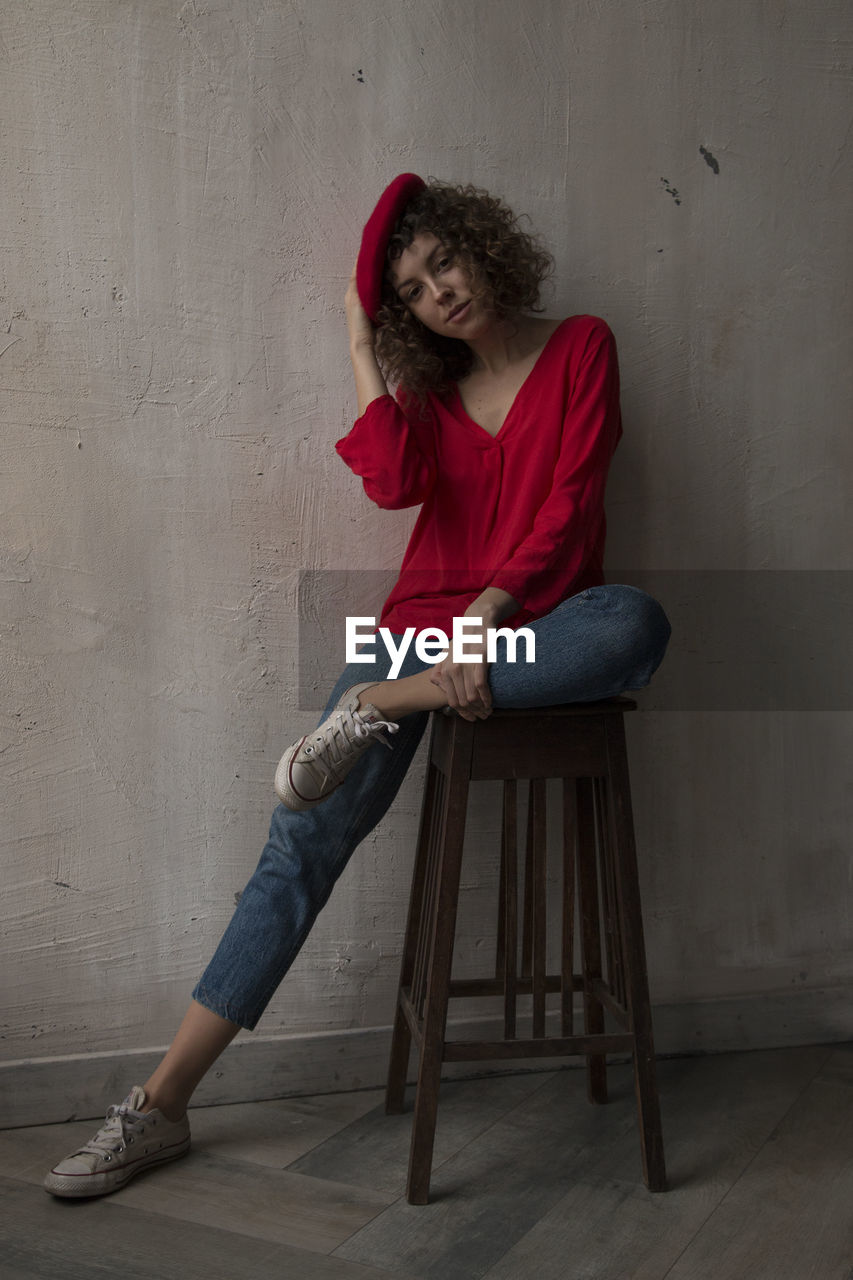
(465, 685)
(361, 330)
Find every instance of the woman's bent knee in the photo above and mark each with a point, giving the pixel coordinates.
(650, 628)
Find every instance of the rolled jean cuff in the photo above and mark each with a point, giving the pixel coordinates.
(223, 1008)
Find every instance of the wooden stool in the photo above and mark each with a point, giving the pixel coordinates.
(584, 744)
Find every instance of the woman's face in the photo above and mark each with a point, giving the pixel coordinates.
(437, 288)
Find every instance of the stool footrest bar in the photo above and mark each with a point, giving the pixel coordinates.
(469, 987)
(601, 992)
(552, 1047)
(534, 1046)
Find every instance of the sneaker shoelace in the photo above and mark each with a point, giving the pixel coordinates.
(113, 1136)
(347, 733)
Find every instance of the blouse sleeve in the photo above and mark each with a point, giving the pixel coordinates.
(391, 448)
(570, 521)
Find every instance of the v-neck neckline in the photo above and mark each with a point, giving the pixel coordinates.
(478, 426)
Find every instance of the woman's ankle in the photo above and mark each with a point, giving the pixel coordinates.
(200, 1039)
(172, 1106)
(394, 699)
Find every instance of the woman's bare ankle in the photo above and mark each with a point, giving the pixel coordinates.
(397, 698)
(171, 1106)
(200, 1039)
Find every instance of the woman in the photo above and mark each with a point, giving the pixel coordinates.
(502, 430)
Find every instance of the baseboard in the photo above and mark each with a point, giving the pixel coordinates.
(256, 1067)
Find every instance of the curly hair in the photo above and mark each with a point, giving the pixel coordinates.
(507, 267)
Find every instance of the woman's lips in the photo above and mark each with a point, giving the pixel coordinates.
(458, 313)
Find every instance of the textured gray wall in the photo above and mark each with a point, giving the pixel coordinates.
(183, 187)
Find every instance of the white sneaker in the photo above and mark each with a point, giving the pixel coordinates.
(129, 1141)
(317, 764)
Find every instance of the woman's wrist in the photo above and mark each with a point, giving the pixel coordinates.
(369, 382)
(492, 606)
(363, 347)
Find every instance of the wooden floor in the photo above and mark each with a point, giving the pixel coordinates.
(530, 1181)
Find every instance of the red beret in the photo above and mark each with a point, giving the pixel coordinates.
(374, 240)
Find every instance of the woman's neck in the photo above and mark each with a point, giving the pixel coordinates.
(506, 342)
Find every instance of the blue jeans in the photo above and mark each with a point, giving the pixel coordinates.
(594, 645)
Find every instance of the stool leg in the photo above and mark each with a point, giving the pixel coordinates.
(401, 1040)
(633, 950)
(506, 965)
(536, 856)
(567, 949)
(596, 1063)
(443, 930)
(527, 922)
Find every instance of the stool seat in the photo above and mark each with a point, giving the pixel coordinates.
(583, 745)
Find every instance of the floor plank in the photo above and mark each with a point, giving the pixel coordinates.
(790, 1215)
(42, 1238)
(268, 1204)
(276, 1134)
(374, 1152)
(718, 1113)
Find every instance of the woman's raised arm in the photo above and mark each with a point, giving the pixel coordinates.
(382, 447)
(369, 382)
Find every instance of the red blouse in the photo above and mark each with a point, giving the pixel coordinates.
(522, 510)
